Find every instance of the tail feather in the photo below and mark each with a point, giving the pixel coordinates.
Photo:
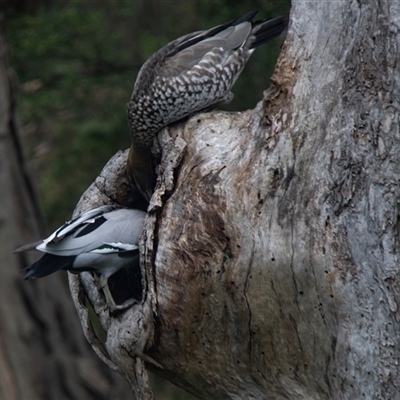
(196, 38)
(248, 17)
(28, 247)
(265, 30)
(48, 264)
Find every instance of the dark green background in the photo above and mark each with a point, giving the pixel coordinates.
(77, 63)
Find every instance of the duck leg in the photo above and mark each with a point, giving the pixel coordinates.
(110, 299)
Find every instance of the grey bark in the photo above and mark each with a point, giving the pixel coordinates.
(270, 255)
(43, 354)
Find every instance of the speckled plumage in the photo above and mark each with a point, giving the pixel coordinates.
(192, 73)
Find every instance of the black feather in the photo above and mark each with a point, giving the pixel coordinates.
(248, 17)
(210, 33)
(130, 254)
(267, 29)
(92, 226)
(48, 264)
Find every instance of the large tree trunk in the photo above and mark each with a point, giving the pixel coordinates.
(270, 254)
(43, 354)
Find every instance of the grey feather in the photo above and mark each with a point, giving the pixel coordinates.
(121, 225)
(102, 240)
(231, 38)
(193, 73)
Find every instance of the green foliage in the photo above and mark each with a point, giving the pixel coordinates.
(77, 63)
(76, 79)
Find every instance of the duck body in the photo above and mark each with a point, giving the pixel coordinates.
(101, 240)
(192, 73)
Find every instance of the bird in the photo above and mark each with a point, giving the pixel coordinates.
(192, 73)
(103, 240)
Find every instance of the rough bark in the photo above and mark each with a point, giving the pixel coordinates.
(43, 354)
(270, 255)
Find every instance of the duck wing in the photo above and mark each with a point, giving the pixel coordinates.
(117, 230)
(107, 229)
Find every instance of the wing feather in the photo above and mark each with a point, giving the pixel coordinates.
(119, 226)
(86, 217)
(229, 39)
(103, 229)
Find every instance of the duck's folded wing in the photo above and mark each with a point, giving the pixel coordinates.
(122, 226)
(192, 51)
(171, 60)
(76, 225)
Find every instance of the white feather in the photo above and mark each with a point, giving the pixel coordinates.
(107, 248)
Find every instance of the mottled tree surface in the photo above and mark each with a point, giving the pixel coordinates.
(270, 254)
(43, 354)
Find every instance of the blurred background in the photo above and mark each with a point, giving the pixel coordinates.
(77, 62)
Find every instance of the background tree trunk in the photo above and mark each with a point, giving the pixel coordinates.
(270, 254)
(43, 354)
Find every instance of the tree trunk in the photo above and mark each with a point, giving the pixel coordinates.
(270, 253)
(43, 354)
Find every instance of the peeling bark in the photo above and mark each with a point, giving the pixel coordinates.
(270, 254)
